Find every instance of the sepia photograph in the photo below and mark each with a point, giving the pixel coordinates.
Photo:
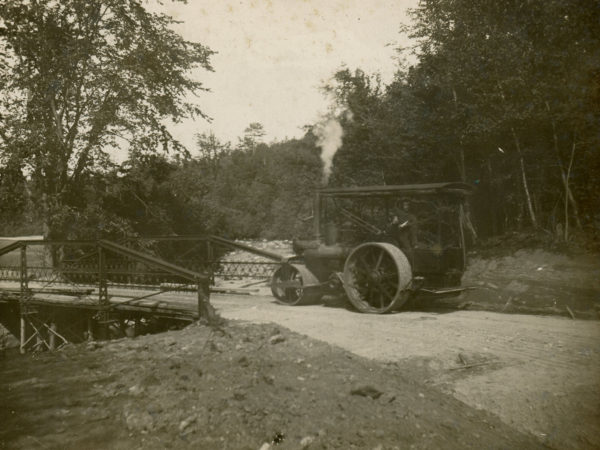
(300, 224)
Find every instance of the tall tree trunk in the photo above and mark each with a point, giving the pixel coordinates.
(524, 179)
(563, 176)
(568, 192)
(494, 207)
(567, 186)
(466, 211)
(463, 177)
(50, 207)
(522, 167)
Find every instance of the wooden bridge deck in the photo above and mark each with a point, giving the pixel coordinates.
(52, 316)
(176, 304)
(103, 288)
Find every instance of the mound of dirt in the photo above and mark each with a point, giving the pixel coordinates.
(535, 281)
(239, 386)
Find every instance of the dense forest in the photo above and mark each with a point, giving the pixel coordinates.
(503, 95)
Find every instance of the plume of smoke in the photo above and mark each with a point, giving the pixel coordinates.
(329, 138)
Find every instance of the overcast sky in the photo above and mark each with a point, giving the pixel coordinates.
(274, 55)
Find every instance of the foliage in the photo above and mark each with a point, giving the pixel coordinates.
(80, 77)
(504, 95)
(15, 209)
(362, 158)
(263, 192)
(253, 136)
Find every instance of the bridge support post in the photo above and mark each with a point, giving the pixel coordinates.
(51, 336)
(23, 334)
(210, 258)
(205, 309)
(102, 286)
(137, 327)
(103, 315)
(90, 328)
(23, 299)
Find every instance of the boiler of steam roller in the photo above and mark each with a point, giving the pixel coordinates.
(380, 245)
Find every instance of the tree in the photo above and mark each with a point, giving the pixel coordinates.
(81, 77)
(211, 150)
(13, 196)
(362, 157)
(504, 94)
(253, 136)
(261, 193)
(511, 87)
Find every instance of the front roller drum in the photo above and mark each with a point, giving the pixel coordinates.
(376, 277)
(294, 284)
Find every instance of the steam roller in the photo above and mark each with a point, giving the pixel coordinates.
(380, 255)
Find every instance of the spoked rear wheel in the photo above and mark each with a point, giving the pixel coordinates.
(376, 277)
(288, 285)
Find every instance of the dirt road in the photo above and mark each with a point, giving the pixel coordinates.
(246, 385)
(538, 374)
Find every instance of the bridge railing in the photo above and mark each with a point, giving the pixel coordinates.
(48, 272)
(67, 262)
(90, 262)
(209, 253)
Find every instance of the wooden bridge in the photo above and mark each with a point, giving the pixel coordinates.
(56, 292)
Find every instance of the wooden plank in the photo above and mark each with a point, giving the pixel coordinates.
(59, 291)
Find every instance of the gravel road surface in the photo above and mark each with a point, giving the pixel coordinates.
(539, 374)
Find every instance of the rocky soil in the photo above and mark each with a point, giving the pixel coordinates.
(535, 281)
(237, 386)
(323, 376)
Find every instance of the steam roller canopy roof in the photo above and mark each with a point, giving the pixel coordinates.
(449, 188)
